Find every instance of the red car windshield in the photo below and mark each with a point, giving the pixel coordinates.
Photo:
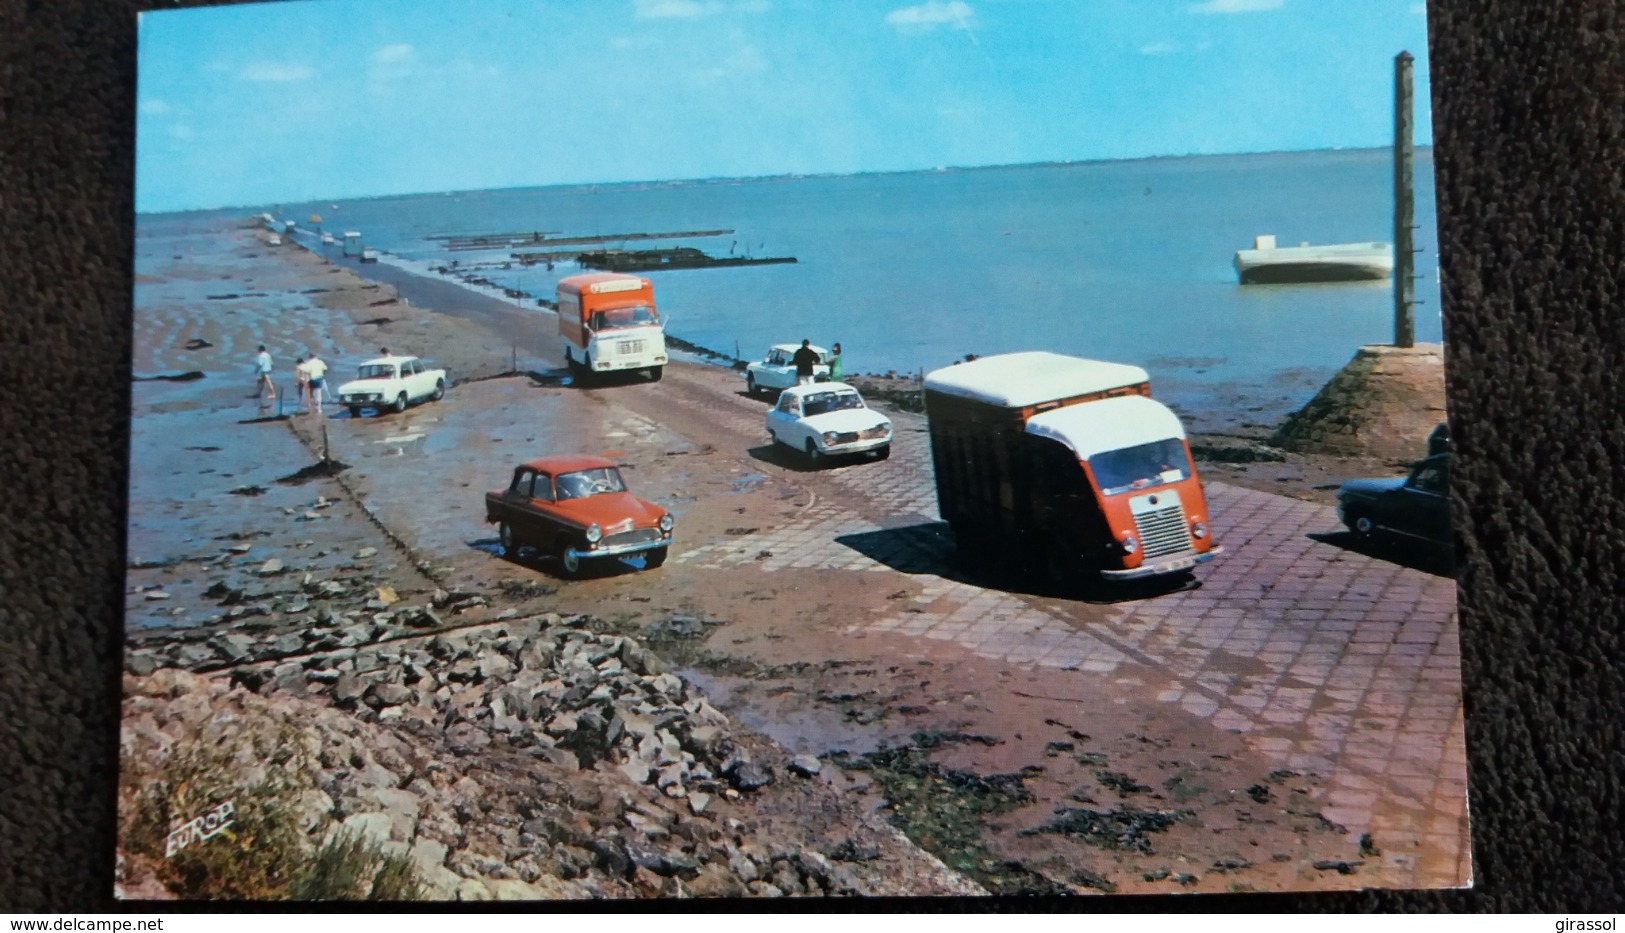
(585, 483)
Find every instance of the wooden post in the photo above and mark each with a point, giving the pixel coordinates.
(325, 449)
(514, 366)
(1404, 206)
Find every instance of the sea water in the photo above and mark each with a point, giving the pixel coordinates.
(1128, 261)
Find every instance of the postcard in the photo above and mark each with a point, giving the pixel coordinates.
(754, 448)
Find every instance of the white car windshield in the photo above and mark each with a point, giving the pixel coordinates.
(823, 402)
(615, 318)
(1141, 467)
(377, 371)
(585, 483)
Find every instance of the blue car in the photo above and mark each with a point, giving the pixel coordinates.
(1415, 506)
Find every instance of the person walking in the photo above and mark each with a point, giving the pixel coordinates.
(262, 380)
(301, 378)
(805, 359)
(837, 370)
(317, 370)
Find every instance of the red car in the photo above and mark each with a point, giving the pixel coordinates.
(575, 508)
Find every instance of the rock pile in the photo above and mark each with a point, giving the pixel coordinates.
(536, 758)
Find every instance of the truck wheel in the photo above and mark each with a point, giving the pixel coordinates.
(812, 451)
(400, 403)
(881, 453)
(654, 558)
(439, 390)
(510, 541)
(355, 411)
(655, 372)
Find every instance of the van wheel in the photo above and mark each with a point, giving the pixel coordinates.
(439, 390)
(400, 403)
(655, 372)
(882, 453)
(355, 411)
(654, 558)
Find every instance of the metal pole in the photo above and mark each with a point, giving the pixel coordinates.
(1404, 205)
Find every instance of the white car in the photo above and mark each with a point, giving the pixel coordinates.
(392, 382)
(776, 371)
(828, 419)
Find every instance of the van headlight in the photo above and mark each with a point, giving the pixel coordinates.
(1198, 530)
(665, 522)
(594, 533)
(1129, 544)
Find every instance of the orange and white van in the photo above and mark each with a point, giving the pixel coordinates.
(1066, 466)
(610, 324)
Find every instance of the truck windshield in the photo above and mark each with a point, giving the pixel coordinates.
(615, 318)
(1141, 467)
(584, 483)
(824, 402)
(377, 372)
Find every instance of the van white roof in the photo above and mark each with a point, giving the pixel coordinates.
(1016, 380)
(1109, 424)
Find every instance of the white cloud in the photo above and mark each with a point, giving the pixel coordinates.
(744, 60)
(1159, 48)
(399, 52)
(1237, 6)
(154, 106)
(931, 14)
(675, 9)
(271, 71)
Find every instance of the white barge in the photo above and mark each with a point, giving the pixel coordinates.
(1267, 264)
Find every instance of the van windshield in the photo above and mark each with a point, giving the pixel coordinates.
(616, 318)
(1141, 467)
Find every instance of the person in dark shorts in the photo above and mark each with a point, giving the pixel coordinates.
(318, 381)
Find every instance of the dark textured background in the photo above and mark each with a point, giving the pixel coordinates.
(1529, 102)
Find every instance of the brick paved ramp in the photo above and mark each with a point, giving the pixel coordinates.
(1326, 660)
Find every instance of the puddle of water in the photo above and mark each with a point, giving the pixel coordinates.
(817, 729)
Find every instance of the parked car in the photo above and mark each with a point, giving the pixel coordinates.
(1415, 506)
(576, 508)
(392, 382)
(828, 419)
(1439, 439)
(776, 372)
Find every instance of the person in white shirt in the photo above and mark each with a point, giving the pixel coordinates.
(317, 370)
(262, 369)
(301, 378)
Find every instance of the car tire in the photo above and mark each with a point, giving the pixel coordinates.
(751, 388)
(355, 411)
(400, 403)
(1362, 525)
(509, 540)
(569, 561)
(882, 453)
(439, 390)
(813, 456)
(654, 557)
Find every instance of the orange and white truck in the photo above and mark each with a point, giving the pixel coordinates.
(610, 324)
(1065, 467)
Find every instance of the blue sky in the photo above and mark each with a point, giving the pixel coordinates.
(254, 104)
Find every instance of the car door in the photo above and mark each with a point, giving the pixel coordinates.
(517, 501)
(773, 371)
(544, 523)
(1426, 499)
(784, 421)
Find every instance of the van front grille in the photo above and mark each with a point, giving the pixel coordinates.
(629, 347)
(1163, 531)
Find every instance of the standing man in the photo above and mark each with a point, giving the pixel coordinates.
(262, 366)
(301, 378)
(837, 371)
(317, 371)
(805, 359)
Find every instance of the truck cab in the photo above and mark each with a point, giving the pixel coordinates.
(609, 323)
(1066, 465)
